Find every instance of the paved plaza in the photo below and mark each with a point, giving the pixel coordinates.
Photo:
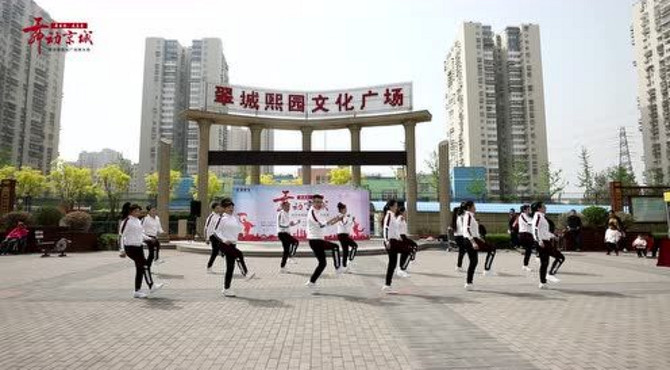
(77, 313)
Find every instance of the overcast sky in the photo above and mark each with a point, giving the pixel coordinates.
(314, 45)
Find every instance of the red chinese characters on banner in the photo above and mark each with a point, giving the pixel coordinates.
(55, 37)
(344, 102)
(223, 95)
(369, 94)
(274, 101)
(250, 100)
(296, 103)
(320, 102)
(394, 97)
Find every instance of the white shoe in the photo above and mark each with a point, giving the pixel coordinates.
(459, 269)
(249, 275)
(489, 273)
(526, 268)
(402, 274)
(283, 270)
(339, 271)
(348, 270)
(553, 279)
(209, 270)
(159, 261)
(388, 290)
(468, 286)
(156, 287)
(311, 286)
(228, 293)
(139, 294)
(543, 286)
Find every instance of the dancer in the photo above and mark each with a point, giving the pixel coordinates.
(392, 243)
(471, 236)
(409, 246)
(315, 235)
(212, 223)
(344, 236)
(152, 227)
(131, 240)
(490, 250)
(457, 226)
(288, 242)
(542, 237)
(559, 258)
(226, 233)
(526, 240)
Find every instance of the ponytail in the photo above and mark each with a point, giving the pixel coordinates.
(125, 210)
(390, 203)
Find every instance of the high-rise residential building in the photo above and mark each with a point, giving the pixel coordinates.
(31, 89)
(651, 41)
(97, 160)
(175, 79)
(495, 106)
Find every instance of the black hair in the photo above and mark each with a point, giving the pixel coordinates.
(467, 205)
(454, 216)
(400, 210)
(535, 207)
(227, 202)
(317, 196)
(150, 207)
(213, 205)
(524, 208)
(389, 203)
(341, 206)
(128, 208)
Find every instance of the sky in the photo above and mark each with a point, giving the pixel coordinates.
(589, 80)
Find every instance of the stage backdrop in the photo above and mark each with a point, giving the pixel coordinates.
(257, 207)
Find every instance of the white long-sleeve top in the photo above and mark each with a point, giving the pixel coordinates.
(640, 243)
(459, 226)
(402, 226)
(344, 226)
(390, 230)
(470, 226)
(209, 227)
(283, 222)
(229, 228)
(525, 223)
(612, 236)
(315, 226)
(131, 233)
(152, 226)
(541, 228)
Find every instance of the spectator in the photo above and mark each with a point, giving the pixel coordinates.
(612, 238)
(618, 224)
(513, 228)
(575, 230)
(15, 240)
(640, 245)
(651, 247)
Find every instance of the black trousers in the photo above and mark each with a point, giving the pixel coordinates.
(346, 242)
(410, 247)
(612, 247)
(319, 247)
(287, 242)
(559, 258)
(154, 248)
(544, 260)
(576, 236)
(474, 259)
(394, 247)
(460, 242)
(142, 267)
(527, 242)
(641, 252)
(232, 255)
(215, 243)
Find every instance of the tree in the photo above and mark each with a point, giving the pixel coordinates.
(176, 161)
(551, 182)
(340, 176)
(7, 172)
(586, 177)
(213, 187)
(29, 183)
(267, 179)
(433, 164)
(5, 156)
(477, 188)
(71, 184)
(151, 181)
(653, 177)
(518, 177)
(113, 182)
(621, 174)
(126, 165)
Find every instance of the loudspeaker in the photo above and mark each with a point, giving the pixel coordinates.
(195, 208)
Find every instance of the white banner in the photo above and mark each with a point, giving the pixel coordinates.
(310, 104)
(257, 208)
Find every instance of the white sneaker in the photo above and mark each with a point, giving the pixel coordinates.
(526, 268)
(553, 279)
(283, 270)
(209, 270)
(339, 271)
(156, 287)
(311, 286)
(459, 269)
(249, 276)
(159, 261)
(139, 294)
(468, 286)
(388, 290)
(228, 293)
(543, 286)
(489, 273)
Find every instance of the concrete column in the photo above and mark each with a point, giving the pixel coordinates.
(163, 203)
(444, 187)
(410, 176)
(355, 132)
(203, 173)
(306, 147)
(255, 146)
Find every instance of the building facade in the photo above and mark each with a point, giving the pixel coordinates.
(495, 106)
(31, 90)
(97, 160)
(651, 42)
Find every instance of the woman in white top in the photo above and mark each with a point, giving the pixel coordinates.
(410, 247)
(131, 240)
(526, 240)
(288, 242)
(152, 227)
(612, 238)
(210, 225)
(315, 235)
(543, 237)
(470, 236)
(227, 232)
(457, 226)
(392, 242)
(344, 236)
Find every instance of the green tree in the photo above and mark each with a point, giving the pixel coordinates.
(340, 175)
(621, 174)
(114, 183)
(213, 187)
(29, 183)
(477, 187)
(267, 179)
(151, 181)
(586, 177)
(71, 184)
(7, 172)
(518, 177)
(433, 164)
(550, 182)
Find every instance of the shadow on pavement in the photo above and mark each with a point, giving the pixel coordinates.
(158, 303)
(384, 300)
(525, 295)
(168, 276)
(594, 293)
(578, 273)
(267, 303)
(439, 298)
(432, 274)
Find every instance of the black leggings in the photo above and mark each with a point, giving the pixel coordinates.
(319, 247)
(559, 258)
(232, 255)
(460, 242)
(154, 248)
(612, 247)
(142, 267)
(641, 252)
(544, 253)
(527, 242)
(474, 260)
(394, 247)
(290, 246)
(411, 247)
(346, 242)
(215, 243)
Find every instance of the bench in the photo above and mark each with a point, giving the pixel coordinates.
(57, 245)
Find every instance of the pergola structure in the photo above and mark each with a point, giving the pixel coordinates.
(256, 125)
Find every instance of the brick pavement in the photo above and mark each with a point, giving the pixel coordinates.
(76, 313)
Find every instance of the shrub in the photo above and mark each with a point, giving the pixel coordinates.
(9, 221)
(108, 242)
(626, 219)
(78, 221)
(48, 216)
(595, 216)
(501, 241)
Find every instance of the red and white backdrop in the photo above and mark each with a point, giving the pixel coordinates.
(309, 104)
(257, 208)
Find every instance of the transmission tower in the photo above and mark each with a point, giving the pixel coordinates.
(624, 153)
